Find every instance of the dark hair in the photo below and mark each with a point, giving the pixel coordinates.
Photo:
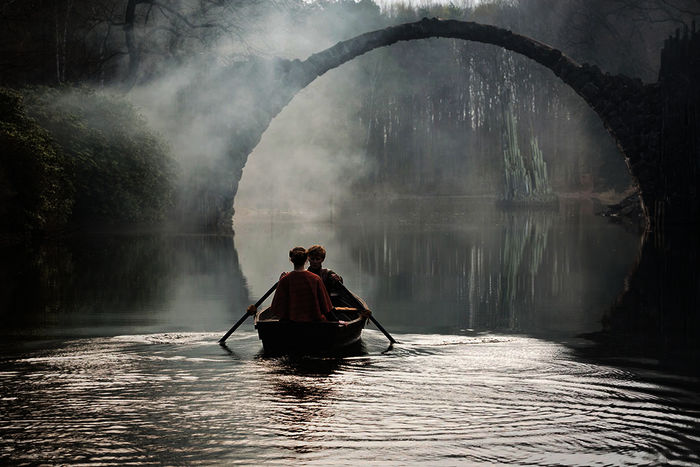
(317, 251)
(298, 255)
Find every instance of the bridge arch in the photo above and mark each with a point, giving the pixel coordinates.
(655, 126)
(614, 98)
(575, 75)
(649, 122)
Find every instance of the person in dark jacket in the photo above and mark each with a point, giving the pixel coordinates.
(317, 254)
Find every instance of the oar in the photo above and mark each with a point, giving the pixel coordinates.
(245, 316)
(372, 318)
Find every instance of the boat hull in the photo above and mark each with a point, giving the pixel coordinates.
(284, 336)
(314, 337)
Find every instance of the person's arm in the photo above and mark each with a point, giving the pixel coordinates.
(324, 301)
(334, 276)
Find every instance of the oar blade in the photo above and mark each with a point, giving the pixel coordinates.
(372, 318)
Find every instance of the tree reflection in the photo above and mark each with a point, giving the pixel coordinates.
(524, 248)
(533, 271)
(108, 283)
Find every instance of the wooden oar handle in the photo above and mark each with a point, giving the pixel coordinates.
(371, 318)
(247, 313)
(267, 294)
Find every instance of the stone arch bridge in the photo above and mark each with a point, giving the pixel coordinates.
(654, 125)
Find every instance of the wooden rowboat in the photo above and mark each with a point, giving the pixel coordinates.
(279, 337)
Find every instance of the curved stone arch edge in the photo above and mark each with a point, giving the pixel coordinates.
(608, 95)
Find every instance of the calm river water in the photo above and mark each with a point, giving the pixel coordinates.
(109, 351)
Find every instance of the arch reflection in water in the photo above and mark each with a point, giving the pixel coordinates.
(451, 265)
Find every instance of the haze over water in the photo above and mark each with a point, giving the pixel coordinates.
(109, 352)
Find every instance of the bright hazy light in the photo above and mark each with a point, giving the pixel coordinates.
(421, 3)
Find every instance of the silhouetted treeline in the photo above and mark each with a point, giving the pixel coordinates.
(112, 41)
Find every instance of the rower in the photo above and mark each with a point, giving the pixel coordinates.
(301, 295)
(317, 254)
(331, 280)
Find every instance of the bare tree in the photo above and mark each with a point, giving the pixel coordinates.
(171, 29)
(49, 41)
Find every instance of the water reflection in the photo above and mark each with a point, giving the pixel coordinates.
(523, 271)
(447, 265)
(303, 389)
(179, 398)
(163, 393)
(656, 318)
(437, 265)
(106, 285)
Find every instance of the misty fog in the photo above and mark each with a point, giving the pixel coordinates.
(158, 159)
(309, 157)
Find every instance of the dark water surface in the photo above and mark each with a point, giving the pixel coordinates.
(109, 350)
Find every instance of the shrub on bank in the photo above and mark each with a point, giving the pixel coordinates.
(36, 193)
(81, 157)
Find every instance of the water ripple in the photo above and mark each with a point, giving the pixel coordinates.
(180, 398)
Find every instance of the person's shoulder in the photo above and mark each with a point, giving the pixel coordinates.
(332, 273)
(285, 276)
(310, 275)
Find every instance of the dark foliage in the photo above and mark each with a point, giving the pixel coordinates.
(35, 188)
(113, 41)
(76, 156)
(121, 171)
